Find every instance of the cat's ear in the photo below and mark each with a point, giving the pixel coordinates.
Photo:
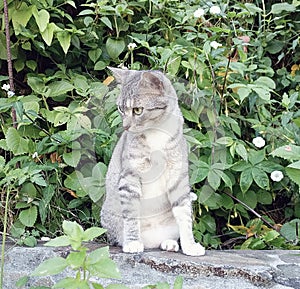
(152, 80)
(118, 73)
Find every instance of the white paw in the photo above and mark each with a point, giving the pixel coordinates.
(133, 247)
(169, 245)
(194, 249)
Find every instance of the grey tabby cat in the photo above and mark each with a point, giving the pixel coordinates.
(148, 202)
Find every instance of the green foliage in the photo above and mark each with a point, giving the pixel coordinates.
(85, 264)
(237, 77)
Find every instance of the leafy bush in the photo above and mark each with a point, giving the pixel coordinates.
(235, 66)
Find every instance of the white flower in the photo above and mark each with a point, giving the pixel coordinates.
(131, 46)
(10, 93)
(215, 10)
(198, 13)
(259, 142)
(276, 176)
(45, 239)
(215, 44)
(6, 87)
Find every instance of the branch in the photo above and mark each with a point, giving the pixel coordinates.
(255, 213)
(9, 61)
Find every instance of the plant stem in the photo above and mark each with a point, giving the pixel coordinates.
(4, 237)
(9, 61)
(117, 28)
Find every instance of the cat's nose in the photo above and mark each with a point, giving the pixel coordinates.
(126, 127)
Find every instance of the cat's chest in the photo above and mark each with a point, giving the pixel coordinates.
(157, 139)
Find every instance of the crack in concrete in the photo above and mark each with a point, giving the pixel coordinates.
(197, 270)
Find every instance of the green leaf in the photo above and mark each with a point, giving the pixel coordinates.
(260, 178)
(263, 93)
(264, 82)
(30, 190)
(209, 223)
(15, 142)
(241, 166)
(280, 7)
(51, 266)
(19, 65)
(264, 197)
(91, 233)
(190, 115)
(68, 283)
(48, 33)
(246, 180)
(64, 39)
(243, 92)
(72, 158)
(214, 179)
(42, 18)
(2, 163)
(31, 64)
(173, 65)
(96, 255)
(178, 282)
(28, 217)
(271, 235)
(75, 232)
(241, 151)
(225, 140)
(225, 178)
(22, 281)
(249, 198)
(30, 241)
(256, 156)
(100, 65)
(288, 152)
(38, 179)
(99, 171)
(114, 47)
(205, 193)
(58, 88)
(107, 22)
(94, 54)
(36, 84)
(293, 172)
(199, 172)
(76, 259)
(289, 230)
(104, 268)
(61, 241)
(21, 16)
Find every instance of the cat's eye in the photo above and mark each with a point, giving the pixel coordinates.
(137, 110)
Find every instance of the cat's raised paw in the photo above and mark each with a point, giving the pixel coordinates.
(169, 245)
(194, 249)
(133, 247)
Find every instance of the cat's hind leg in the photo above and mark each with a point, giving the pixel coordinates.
(169, 245)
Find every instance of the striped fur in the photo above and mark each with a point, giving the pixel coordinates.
(147, 202)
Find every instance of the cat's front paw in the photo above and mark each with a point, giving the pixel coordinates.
(133, 247)
(194, 249)
(169, 245)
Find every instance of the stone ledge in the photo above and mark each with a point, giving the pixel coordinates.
(232, 269)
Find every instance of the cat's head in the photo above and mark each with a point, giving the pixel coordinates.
(147, 98)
